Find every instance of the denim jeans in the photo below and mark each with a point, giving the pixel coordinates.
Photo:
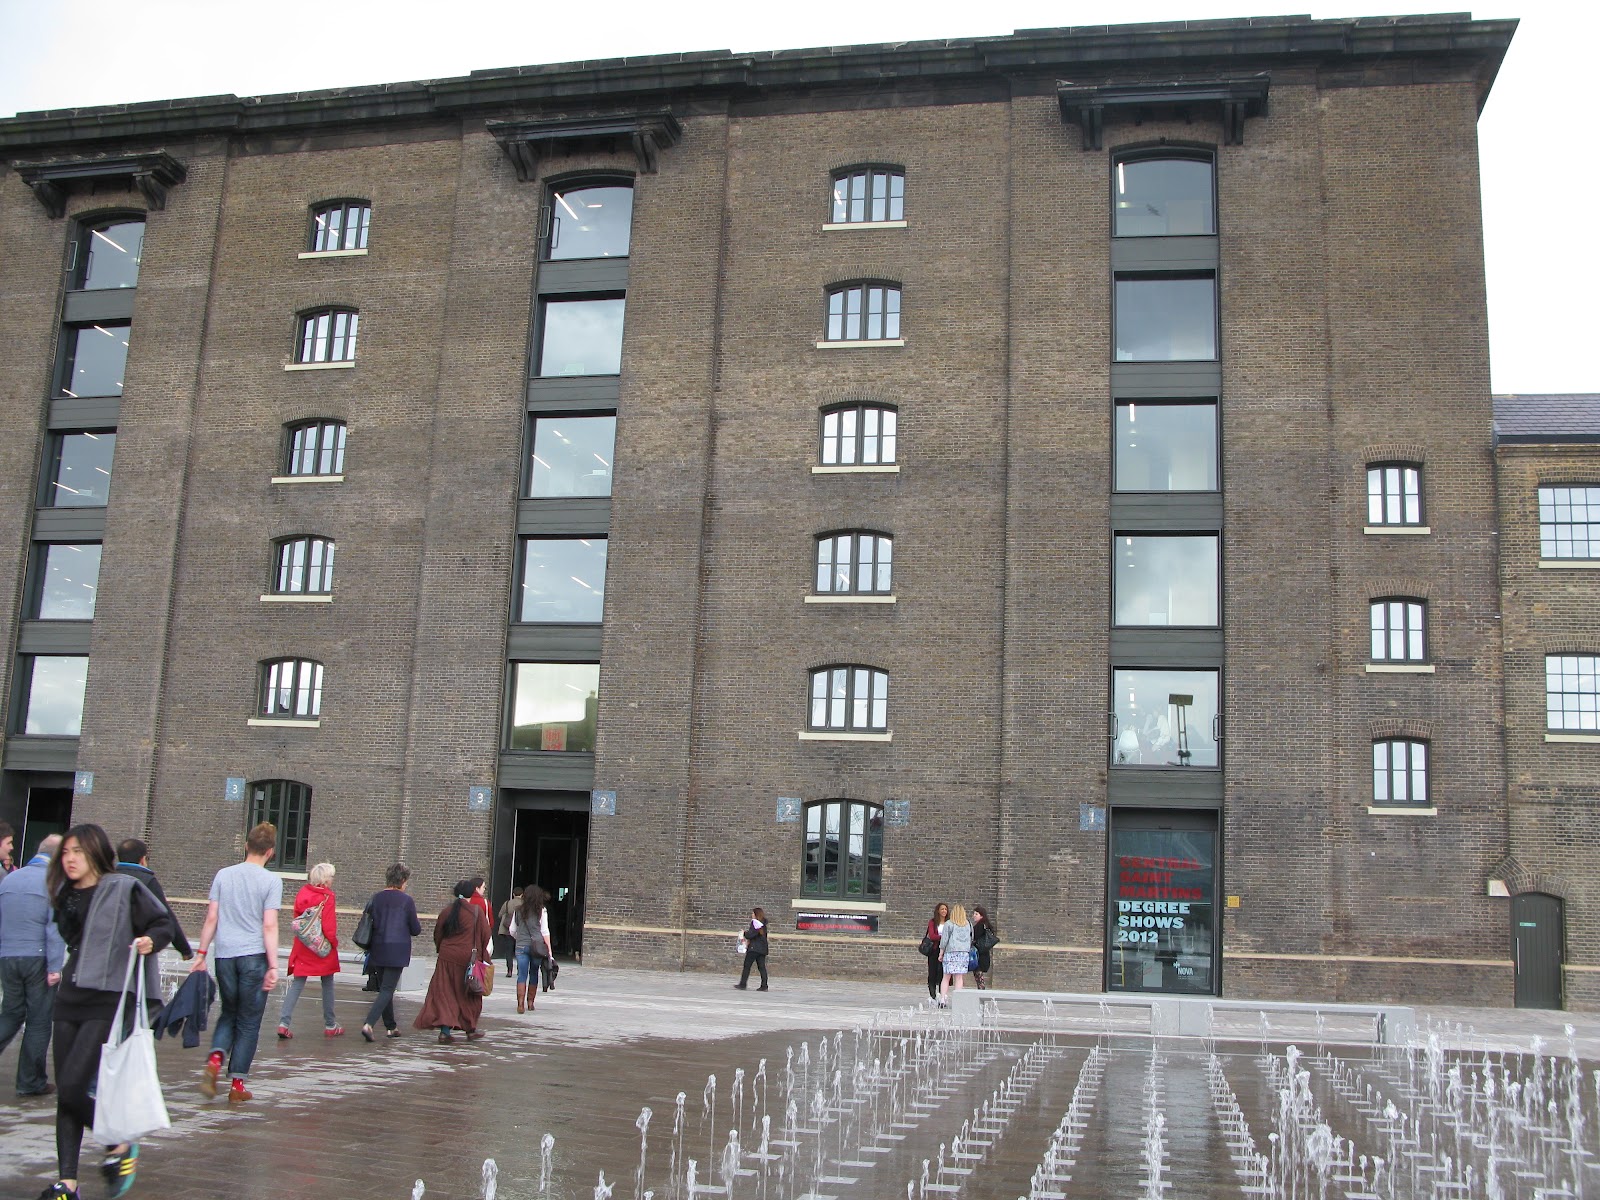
(292, 996)
(243, 1002)
(27, 1005)
(528, 964)
(383, 1005)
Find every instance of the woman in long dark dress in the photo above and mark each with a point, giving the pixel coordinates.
(460, 931)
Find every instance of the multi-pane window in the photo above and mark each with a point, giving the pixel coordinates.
(1572, 692)
(855, 563)
(864, 194)
(864, 312)
(287, 805)
(1400, 772)
(563, 580)
(316, 448)
(68, 580)
(1163, 197)
(1399, 630)
(1569, 522)
(590, 222)
(52, 695)
(1165, 579)
(843, 853)
(96, 357)
(340, 225)
(850, 698)
(1166, 446)
(107, 255)
(79, 472)
(1164, 718)
(291, 687)
(1166, 318)
(582, 336)
(553, 706)
(304, 567)
(859, 435)
(328, 336)
(571, 456)
(1394, 494)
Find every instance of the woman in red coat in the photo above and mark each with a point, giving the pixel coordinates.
(460, 934)
(304, 963)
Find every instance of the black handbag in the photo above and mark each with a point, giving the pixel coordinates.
(363, 935)
(929, 947)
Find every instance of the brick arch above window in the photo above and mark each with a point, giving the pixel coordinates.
(1378, 452)
(1389, 728)
(1398, 586)
(1520, 879)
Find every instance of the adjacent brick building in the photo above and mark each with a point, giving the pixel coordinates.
(1049, 471)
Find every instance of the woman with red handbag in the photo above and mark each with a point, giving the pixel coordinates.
(314, 952)
(461, 937)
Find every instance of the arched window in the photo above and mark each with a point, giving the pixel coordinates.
(1159, 193)
(340, 225)
(868, 194)
(868, 311)
(328, 335)
(859, 435)
(1394, 493)
(851, 698)
(842, 856)
(303, 566)
(1399, 630)
(1400, 773)
(286, 804)
(591, 219)
(855, 562)
(291, 688)
(107, 253)
(316, 448)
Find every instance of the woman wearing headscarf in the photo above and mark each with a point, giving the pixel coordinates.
(460, 935)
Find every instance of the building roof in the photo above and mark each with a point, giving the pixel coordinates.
(1558, 417)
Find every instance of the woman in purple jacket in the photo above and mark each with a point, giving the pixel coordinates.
(394, 924)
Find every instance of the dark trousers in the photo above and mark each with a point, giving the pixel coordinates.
(77, 1053)
(759, 962)
(935, 976)
(383, 1004)
(27, 1004)
(243, 1002)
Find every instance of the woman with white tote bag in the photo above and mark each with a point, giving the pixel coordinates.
(101, 916)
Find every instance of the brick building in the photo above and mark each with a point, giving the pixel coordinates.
(1050, 471)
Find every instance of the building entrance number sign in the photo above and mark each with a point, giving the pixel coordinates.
(233, 789)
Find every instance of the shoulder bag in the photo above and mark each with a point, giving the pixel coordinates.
(929, 946)
(362, 937)
(308, 930)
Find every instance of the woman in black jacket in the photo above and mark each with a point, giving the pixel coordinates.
(985, 937)
(755, 949)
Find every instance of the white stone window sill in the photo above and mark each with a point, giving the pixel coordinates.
(850, 599)
(292, 874)
(824, 904)
(298, 598)
(1399, 668)
(832, 225)
(885, 469)
(307, 479)
(333, 253)
(1395, 530)
(828, 735)
(342, 364)
(1588, 738)
(1569, 564)
(864, 344)
(284, 723)
(1383, 810)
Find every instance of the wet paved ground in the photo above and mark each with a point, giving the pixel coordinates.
(343, 1118)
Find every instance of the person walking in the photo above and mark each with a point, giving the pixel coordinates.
(460, 935)
(530, 929)
(305, 963)
(985, 937)
(507, 943)
(242, 923)
(755, 949)
(31, 957)
(941, 914)
(133, 859)
(955, 947)
(394, 924)
(99, 915)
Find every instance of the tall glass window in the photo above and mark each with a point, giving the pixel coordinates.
(53, 695)
(572, 456)
(563, 580)
(96, 359)
(590, 222)
(553, 706)
(1398, 630)
(843, 856)
(79, 472)
(1572, 693)
(1166, 446)
(1400, 773)
(582, 337)
(1166, 318)
(1163, 197)
(1394, 494)
(1162, 718)
(69, 578)
(1165, 579)
(108, 255)
(287, 805)
(860, 435)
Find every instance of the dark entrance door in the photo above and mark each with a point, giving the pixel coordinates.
(49, 811)
(1161, 883)
(551, 850)
(1537, 936)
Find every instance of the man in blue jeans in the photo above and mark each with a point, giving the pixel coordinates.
(242, 926)
(31, 955)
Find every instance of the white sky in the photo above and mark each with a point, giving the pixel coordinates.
(74, 53)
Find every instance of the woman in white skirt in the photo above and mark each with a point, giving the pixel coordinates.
(955, 946)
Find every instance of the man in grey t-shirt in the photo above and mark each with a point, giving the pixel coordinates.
(242, 925)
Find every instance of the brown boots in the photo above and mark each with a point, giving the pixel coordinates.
(522, 998)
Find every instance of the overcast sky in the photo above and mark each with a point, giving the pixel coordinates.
(1542, 312)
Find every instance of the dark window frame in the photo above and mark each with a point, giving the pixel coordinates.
(577, 181)
(875, 540)
(866, 288)
(1414, 770)
(78, 248)
(22, 695)
(1573, 697)
(67, 356)
(317, 561)
(886, 414)
(531, 442)
(344, 206)
(889, 172)
(1387, 499)
(1380, 619)
(323, 427)
(1171, 276)
(813, 873)
(344, 326)
(305, 685)
(519, 596)
(1156, 402)
(51, 468)
(1164, 151)
(1550, 530)
(542, 324)
(853, 698)
(286, 803)
(38, 565)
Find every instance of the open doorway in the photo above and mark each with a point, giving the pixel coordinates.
(36, 804)
(550, 848)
